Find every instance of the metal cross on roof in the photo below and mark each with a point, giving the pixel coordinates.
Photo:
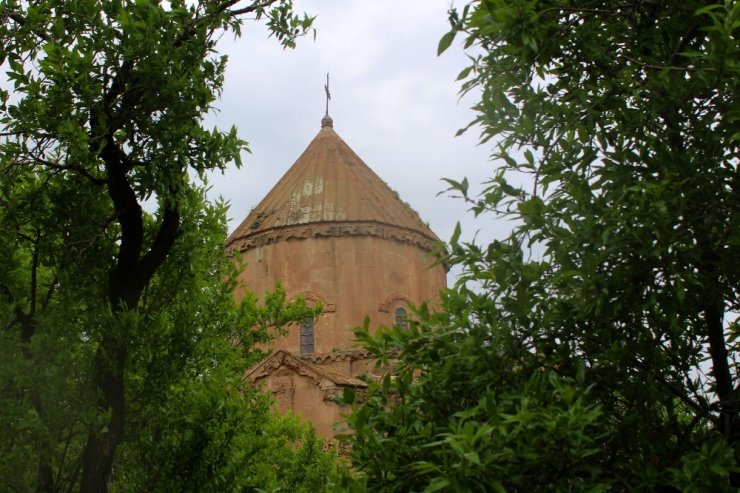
(328, 94)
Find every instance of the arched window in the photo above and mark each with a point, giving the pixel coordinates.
(402, 321)
(306, 335)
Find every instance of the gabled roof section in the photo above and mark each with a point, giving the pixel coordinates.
(330, 184)
(316, 373)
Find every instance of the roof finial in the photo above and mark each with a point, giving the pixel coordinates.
(328, 94)
(327, 121)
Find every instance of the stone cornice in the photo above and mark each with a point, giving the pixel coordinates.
(353, 355)
(331, 229)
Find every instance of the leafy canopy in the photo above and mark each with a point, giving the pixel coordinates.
(122, 345)
(594, 348)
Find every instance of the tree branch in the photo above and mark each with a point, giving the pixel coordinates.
(68, 167)
(34, 275)
(20, 20)
(129, 215)
(249, 9)
(168, 232)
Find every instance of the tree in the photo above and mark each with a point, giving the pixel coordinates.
(595, 348)
(104, 117)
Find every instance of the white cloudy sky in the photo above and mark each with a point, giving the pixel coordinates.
(393, 101)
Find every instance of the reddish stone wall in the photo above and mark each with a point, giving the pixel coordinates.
(355, 276)
(305, 398)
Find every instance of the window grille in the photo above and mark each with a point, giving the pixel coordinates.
(307, 335)
(402, 321)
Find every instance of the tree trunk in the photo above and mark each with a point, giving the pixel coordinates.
(127, 280)
(44, 472)
(713, 317)
(729, 407)
(97, 460)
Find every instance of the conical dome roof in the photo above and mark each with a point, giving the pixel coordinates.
(329, 186)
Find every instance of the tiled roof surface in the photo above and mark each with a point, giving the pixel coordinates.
(330, 183)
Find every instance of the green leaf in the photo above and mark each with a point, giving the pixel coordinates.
(456, 235)
(437, 484)
(445, 42)
(348, 395)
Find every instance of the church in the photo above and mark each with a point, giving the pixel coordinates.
(333, 232)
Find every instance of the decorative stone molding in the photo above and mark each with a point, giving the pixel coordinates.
(283, 360)
(330, 229)
(316, 298)
(352, 355)
(323, 377)
(266, 367)
(386, 305)
(329, 394)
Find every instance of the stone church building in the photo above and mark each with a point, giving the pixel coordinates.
(334, 233)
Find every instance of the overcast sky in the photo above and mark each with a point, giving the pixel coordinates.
(393, 101)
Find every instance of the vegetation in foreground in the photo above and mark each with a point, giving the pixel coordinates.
(595, 348)
(123, 350)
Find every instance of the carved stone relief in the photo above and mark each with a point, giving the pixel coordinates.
(316, 298)
(283, 390)
(386, 305)
(331, 229)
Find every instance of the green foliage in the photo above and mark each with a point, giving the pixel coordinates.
(208, 437)
(193, 424)
(468, 409)
(119, 328)
(594, 348)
